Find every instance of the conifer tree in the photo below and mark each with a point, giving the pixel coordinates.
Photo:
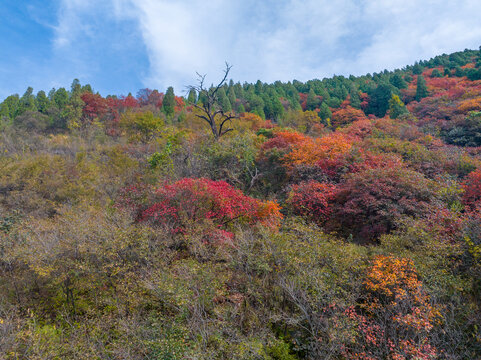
(417, 69)
(27, 102)
(312, 102)
(192, 97)
(232, 96)
(325, 113)
(398, 81)
(421, 88)
(43, 102)
(168, 104)
(224, 100)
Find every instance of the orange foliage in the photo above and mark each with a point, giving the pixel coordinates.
(469, 105)
(468, 66)
(311, 151)
(268, 214)
(393, 282)
(283, 140)
(398, 310)
(255, 121)
(335, 144)
(304, 150)
(346, 115)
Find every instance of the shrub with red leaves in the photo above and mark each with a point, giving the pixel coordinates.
(202, 202)
(369, 202)
(311, 200)
(472, 189)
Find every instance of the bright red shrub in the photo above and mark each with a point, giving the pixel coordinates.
(311, 200)
(203, 202)
(472, 189)
(128, 102)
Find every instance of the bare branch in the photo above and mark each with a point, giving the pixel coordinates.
(228, 118)
(210, 108)
(226, 131)
(226, 73)
(254, 177)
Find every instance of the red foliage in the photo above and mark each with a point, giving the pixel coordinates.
(303, 101)
(150, 97)
(128, 102)
(283, 141)
(311, 200)
(356, 160)
(360, 128)
(189, 203)
(364, 97)
(346, 115)
(179, 103)
(472, 189)
(95, 106)
(370, 202)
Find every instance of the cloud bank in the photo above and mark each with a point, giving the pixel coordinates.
(296, 39)
(123, 45)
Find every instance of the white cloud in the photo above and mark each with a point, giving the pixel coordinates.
(281, 40)
(70, 24)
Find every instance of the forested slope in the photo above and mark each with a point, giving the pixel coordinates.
(333, 219)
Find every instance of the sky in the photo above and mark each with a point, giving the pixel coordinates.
(121, 46)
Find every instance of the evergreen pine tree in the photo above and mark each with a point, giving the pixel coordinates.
(379, 100)
(417, 69)
(224, 100)
(168, 104)
(421, 88)
(9, 106)
(312, 101)
(232, 96)
(27, 102)
(192, 97)
(324, 112)
(75, 88)
(355, 99)
(398, 81)
(43, 103)
(60, 97)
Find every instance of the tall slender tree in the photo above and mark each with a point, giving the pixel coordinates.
(168, 104)
(421, 88)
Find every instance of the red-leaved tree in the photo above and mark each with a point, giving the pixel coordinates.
(201, 203)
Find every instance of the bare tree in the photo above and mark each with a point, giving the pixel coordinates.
(210, 109)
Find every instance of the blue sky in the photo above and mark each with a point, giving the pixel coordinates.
(121, 46)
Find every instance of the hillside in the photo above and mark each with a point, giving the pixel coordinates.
(333, 219)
